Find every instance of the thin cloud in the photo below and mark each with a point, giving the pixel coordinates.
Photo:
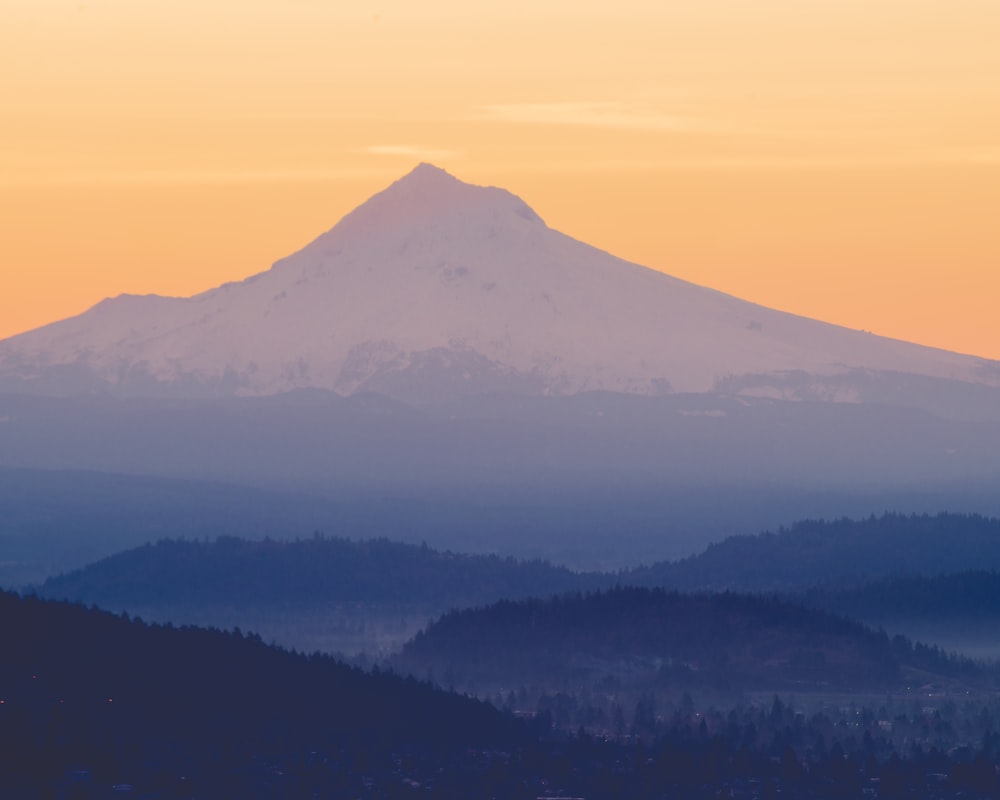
(758, 163)
(410, 151)
(593, 115)
(185, 176)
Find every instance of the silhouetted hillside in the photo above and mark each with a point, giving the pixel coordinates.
(94, 706)
(306, 572)
(816, 552)
(970, 595)
(341, 595)
(83, 691)
(324, 569)
(329, 594)
(665, 639)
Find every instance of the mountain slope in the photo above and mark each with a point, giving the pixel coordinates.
(436, 288)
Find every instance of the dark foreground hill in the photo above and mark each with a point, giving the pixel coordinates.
(94, 706)
(86, 696)
(835, 553)
(658, 639)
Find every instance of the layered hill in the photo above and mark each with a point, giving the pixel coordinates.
(835, 553)
(435, 288)
(310, 572)
(370, 596)
(327, 594)
(650, 638)
(893, 565)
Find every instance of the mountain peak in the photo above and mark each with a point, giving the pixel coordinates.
(427, 182)
(428, 174)
(428, 194)
(437, 288)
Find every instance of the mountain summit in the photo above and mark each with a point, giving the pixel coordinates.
(426, 194)
(435, 288)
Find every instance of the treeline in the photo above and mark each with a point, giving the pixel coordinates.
(835, 553)
(661, 637)
(352, 596)
(971, 595)
(317, 570)
(83, 691)
(95, 705)
(775, 750)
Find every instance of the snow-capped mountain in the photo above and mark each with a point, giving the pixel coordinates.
(435, 288)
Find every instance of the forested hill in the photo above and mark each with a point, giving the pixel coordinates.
(839, 552)
(739, 641)
(84, 691)
(969, 596)
(97, 706)
(324, 569)
(353, 596)
(306, 573)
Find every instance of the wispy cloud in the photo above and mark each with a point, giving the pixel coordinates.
(592, 114)
(184, 176)
(770, 163)
(411, 151)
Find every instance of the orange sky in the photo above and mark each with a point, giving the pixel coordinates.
(836, 158)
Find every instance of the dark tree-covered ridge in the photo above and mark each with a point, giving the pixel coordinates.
(95, 706)
(307, 572)
(970, 595)
(89, 654)
(370, 595)
(330, 569)
(816, 552)
(740, 640)
(100, 692)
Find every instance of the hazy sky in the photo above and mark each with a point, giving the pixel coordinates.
(836, 158)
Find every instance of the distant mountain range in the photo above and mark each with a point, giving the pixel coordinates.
(539, 624)
(839, 556)
(317, 591)
(441, 366)
(435, 289)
